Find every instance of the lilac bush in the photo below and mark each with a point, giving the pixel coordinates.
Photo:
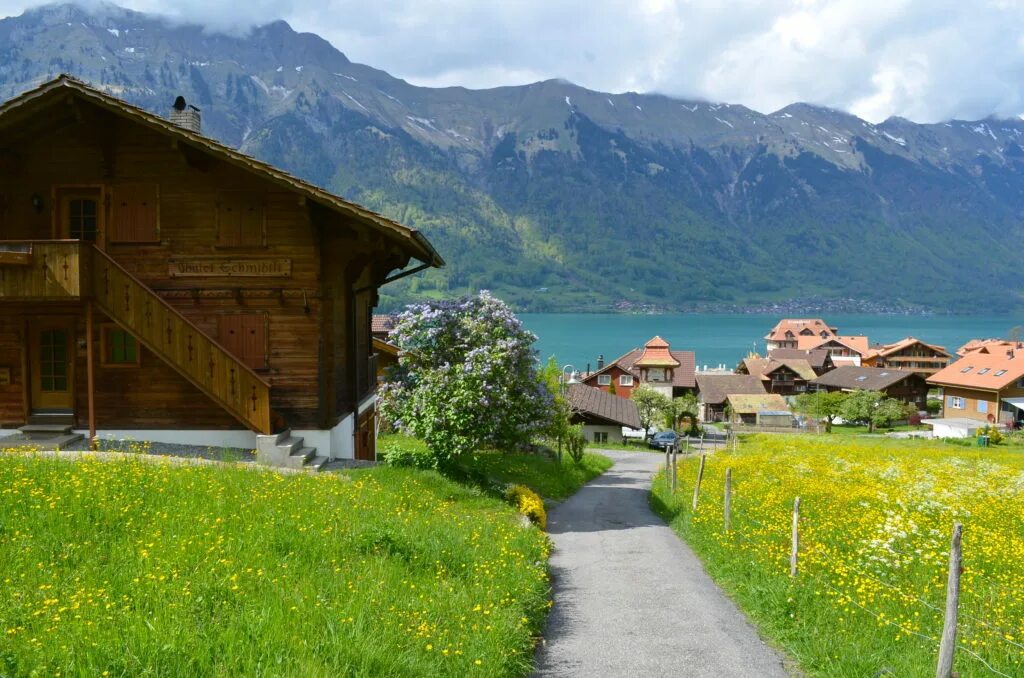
(466, 377)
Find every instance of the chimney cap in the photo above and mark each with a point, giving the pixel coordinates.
(179, 103)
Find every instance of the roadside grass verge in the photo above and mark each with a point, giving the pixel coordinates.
(544, 475)
(143, 567)
(875, 524)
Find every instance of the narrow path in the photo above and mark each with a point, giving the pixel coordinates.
(631, 599)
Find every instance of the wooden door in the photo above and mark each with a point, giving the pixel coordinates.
(51, 356)
(366, 436)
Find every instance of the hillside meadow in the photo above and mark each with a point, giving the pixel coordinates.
(875, 523)
(143, 567)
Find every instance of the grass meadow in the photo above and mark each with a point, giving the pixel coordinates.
(144, 567)
(875, 525)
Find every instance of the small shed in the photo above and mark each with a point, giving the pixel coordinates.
(766, 409)
(603, 415)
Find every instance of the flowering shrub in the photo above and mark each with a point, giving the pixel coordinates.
(528, 503)
(404, 453)
(466, 378)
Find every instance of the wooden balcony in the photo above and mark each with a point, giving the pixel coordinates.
(51, 270)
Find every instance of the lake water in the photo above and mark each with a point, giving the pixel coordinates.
(578, 338)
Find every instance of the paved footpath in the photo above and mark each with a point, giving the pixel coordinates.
(631, 599)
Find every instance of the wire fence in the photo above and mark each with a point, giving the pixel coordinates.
(829, 566)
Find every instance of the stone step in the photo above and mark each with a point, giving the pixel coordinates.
(45, 431)
(317, 463)
(290, 444)
(298, 458)
(51, 418)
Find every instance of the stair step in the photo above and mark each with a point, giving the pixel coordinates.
(290, 444)
(51, 418)
(299, 458)
(317, 463)
(45, 431)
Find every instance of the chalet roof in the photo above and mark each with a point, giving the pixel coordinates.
(799, 326)
(22, 107)
(381, 346)
(856, 343)
(382, 324)
(752, 404)
(682, 376)
(987, 346)
(801, 366)
(987, 371)
(656, 353)
(816, 357)
(907, 342)
(715, 388)
(593, 403)
(863, 378)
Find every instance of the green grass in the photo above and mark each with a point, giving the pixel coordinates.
(143, 567)
(862, 429)
(875, 524)
(542, 474)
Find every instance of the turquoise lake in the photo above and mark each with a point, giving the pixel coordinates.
(578, 338)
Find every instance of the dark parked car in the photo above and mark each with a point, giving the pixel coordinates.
(663, 439)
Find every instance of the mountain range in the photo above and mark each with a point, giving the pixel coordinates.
(557, 197)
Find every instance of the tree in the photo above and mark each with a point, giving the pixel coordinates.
(466, 377)
(871, 408)
(611, 387)
(821, 406)
(649, 404)
(684, 407)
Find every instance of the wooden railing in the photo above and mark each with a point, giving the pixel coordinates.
(167, 333)
(46, 270)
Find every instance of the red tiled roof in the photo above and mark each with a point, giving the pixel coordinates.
(682, 376)
(382, 324)
(988, 371)
(796, 326)
(657, 354)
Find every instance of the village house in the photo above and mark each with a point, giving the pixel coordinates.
(713, 390)
(381, 325)
(602, 414)
(908, 354)
(666, 370)
(766, 409)
(786, 377)
(987, 346)
(819, 359)
(157, 285)
(844, 350)
(788, 331)
(983, 387)
(903, 385)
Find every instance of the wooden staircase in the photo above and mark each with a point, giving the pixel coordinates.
(183, 346)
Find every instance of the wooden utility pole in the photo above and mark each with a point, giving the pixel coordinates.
(947, 645)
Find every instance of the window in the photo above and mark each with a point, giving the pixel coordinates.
(625, 380)
(656, 374)
(600, 436)
(241, 221)
(82, 214)
(956, 403)
(135, 213)
(967, 369)
(604, 379)
(983, 406)
(1000, 373)
(983, 370)
(245, 336)
(118, 348)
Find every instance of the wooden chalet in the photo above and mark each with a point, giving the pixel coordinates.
(906, 386)
(657, 364)
(157, 285)
(908, 354)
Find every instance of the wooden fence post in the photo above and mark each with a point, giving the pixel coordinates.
(735, 440)
(728, 500)
(700, 477)
(796, 538)
(947, 646)
(675, 468)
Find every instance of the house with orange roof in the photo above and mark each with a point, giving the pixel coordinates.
(908, 354)
(983, 388)
(667, 370)
(783, 376)
(788, 331)
(988, 346)
(844, 350)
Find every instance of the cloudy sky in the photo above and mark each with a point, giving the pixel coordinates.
(926, 60)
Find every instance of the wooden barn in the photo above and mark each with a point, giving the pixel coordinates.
(157, 285)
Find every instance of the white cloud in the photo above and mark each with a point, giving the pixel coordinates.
(926, 60)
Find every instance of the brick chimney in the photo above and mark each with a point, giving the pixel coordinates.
(186, 115)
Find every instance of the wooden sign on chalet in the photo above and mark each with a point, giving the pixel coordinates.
(221, 267)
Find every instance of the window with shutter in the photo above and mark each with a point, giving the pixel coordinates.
(241, 220)
(245, 336)
(135, 213)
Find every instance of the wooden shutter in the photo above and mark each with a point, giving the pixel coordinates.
(241, 220)
(245, 336)
(135, 213)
